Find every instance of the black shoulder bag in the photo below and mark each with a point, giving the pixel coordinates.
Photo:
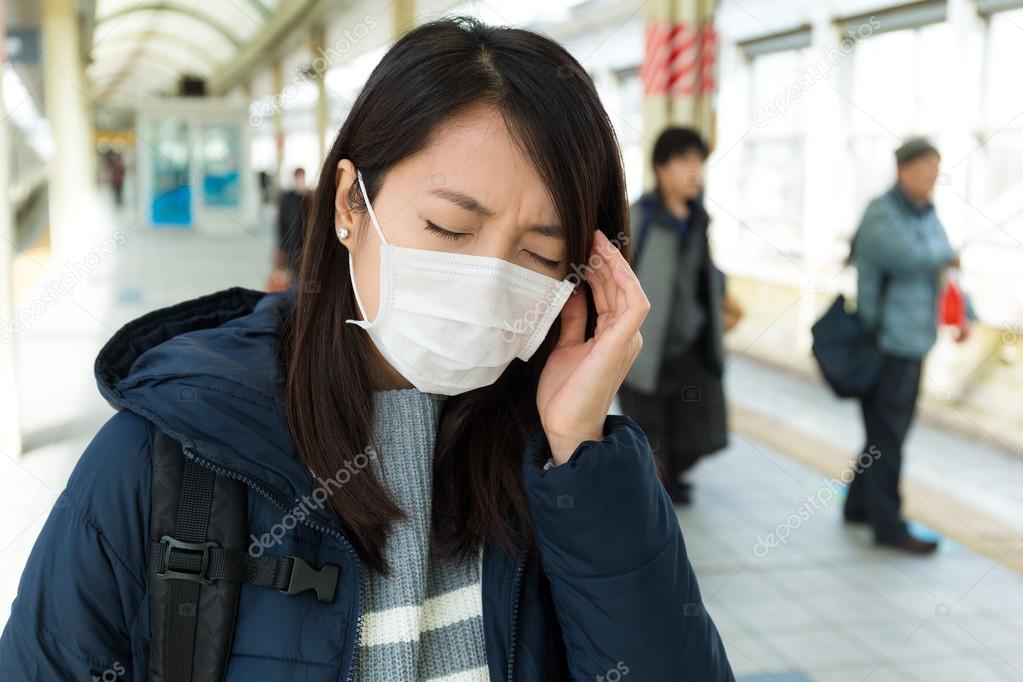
(846, 350)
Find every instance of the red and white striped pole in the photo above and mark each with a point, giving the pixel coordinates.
(679, 59)
(683, 62)
(678, 68)
(654, 69)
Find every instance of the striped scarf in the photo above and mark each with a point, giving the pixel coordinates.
(425, 621)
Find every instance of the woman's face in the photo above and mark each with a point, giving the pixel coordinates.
(472, 191)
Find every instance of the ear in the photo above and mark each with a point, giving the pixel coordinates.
(344, 215)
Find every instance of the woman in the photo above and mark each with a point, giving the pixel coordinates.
(501, 526)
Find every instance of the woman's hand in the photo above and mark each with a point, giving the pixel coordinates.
(582, 376)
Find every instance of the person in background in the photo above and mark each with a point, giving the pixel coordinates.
(674, 389)
(291, 211)
(263, 177)
(117, 171)
(900, 251)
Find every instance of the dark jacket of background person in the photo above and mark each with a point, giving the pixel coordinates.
(611, 553)
(905, 246)
(685, 289)
(291, 213)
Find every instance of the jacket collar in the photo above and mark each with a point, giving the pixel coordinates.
(653, 201)
(907, 203)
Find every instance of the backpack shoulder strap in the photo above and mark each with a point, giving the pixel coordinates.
(198, 560)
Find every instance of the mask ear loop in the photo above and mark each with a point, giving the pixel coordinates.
(369, 206)
(364, 322)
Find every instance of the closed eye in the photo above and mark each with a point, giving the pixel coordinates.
(444, 234)
(455, 236)
(546, 262)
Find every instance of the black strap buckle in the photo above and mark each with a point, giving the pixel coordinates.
(305, 577)
(200, 576)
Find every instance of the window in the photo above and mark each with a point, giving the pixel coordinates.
(626, 114)
(772, 176)
(898, 88)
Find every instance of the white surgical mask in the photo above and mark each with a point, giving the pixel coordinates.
(450, 323)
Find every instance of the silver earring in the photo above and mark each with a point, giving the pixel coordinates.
(342, 233)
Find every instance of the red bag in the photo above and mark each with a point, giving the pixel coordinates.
(952, 305)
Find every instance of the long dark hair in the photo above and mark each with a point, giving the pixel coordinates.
(432, 73)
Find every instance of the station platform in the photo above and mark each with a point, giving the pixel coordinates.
(821, 605)
(824, 604)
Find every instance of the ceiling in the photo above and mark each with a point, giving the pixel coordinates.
(143, 48)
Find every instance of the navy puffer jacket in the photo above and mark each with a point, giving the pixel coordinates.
(611, 596)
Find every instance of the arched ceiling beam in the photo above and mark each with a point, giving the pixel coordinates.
(189, 12)
(175, 41)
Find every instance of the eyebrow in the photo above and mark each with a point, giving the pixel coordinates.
(470, 204)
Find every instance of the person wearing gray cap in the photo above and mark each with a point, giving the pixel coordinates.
(900, 251)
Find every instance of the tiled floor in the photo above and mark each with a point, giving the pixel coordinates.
(825, 604)
(822, 606)
(984, 474)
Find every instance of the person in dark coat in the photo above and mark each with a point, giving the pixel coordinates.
(674, 389)
(117, 172)
(520, 532)
(292, 208)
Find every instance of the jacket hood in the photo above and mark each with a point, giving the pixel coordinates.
(206, 372)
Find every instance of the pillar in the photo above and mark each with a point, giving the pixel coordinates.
(316, 48)
(277, 75)
(678, 70)
(657, 16)
(823, 151)
(10, 428)
(72, 179)
(403, 17)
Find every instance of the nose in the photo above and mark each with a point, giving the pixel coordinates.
(497, 240)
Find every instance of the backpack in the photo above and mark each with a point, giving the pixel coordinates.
(198, 560)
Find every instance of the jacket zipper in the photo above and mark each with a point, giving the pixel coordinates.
(315, 526)
(516, 589)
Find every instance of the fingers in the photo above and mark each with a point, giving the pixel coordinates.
(601, 278)
(596, 276)
(573, 321)
(619, 298)
(632, 301)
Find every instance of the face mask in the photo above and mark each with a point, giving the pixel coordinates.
(450, 323)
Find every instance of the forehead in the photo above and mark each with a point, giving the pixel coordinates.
(475, 153)
(923, 161)
(688, 155)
